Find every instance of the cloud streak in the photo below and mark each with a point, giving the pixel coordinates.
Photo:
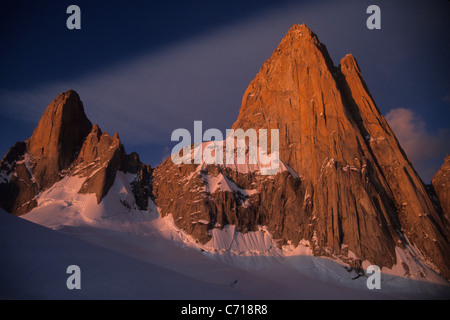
(201, 78)
(423, 147)
(204, 77)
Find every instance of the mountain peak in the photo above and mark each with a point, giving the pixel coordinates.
(333, 135)
(349, 62)
(59, 134)
(301, 31)
(69, 93)
(37, 163)
(65, 143)
(300, 38)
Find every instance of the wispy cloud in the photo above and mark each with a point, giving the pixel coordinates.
(202, 78)
(423, 147)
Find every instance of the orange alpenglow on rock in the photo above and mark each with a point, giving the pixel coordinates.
(441, 185)
(366, 194)
(65, 143)
(344, 185)
(356, 191)
(59, 134)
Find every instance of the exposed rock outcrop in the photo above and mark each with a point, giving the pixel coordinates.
(17, 184)
(441, 185)
(362, 192)
(99, 159)
(38, 163)
(65, 143)
(142, 184)
(201, 197)
(57, 138)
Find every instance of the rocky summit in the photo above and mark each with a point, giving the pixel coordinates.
(65, 143)
(350, 187)
(344, 186)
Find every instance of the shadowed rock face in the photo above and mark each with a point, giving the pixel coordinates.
(142, 185)
(17, 188)
(357, 192)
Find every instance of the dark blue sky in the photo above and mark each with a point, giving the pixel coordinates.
(145, 68)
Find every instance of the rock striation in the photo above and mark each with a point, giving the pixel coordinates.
(357, 196)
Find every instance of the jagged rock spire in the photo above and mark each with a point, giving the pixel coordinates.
(367, 197)
(57, 138)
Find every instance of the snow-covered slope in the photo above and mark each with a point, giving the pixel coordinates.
(35, 259)
(127, 253)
